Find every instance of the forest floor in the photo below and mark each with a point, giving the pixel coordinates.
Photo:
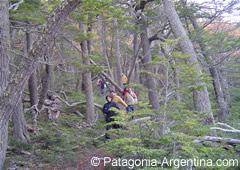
(82, 163)
(67, 143)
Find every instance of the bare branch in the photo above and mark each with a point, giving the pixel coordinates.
(14, 7)
(230, 130)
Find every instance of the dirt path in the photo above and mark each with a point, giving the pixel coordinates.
(86, 160)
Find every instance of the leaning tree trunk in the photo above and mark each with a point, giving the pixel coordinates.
(4, 56)
(201, 96)
(222, 114)
(147, 57)
(12, 94)
(87, 80)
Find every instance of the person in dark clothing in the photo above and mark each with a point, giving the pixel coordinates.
(103, 87)
(108, 113)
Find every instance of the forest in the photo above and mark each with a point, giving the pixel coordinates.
(119, 84)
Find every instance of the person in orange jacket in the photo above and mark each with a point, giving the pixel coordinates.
(117, 99)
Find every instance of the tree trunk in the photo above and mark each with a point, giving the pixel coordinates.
(4, 44)
(104, 46)
(19, 124)
(11, 96)
(32, 82)
(147, 57)
(87, 80)
(45, 84)
(136, 49)
(222, 114)
(177, 82)
(135, 65)
(201, 96)
(118, 56)
(224, 80)
(4, 56)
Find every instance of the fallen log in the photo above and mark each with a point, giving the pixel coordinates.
(77, 103)
(218, 139)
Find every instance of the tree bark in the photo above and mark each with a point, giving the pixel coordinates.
(19, 124)
(4, 44)
(45, 80)
(147, 57)
(104, 46)
(118, 55)
(222, 114)
(224, 80)
(201, 96)
(11, 95)
(218, 139)
(87, 80)
(32, 82)
(4, 56)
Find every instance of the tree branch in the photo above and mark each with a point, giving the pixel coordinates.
(77, 103)
(14, 7)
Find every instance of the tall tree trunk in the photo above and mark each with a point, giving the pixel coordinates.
(136, 48)
(4, 44)
(11, 96)
(32, 82)
(201, 96)
(222, 114)
(147, 57)
(177, 82)
(19, 123)
(4, 56)
(104, 46)
(118, 55)
(87, 80)
(45, 87)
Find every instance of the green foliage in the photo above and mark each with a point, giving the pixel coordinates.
(29, 11)
(19, 146)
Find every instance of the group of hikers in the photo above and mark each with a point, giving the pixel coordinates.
(128, 101)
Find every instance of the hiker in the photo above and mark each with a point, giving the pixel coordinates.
(135, 100)
(130, 99)
(101, 84)
(118, 99)
(103, 87)
(108, 113)
(125, 90)
(124, 80)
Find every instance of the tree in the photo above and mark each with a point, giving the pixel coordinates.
(11, 96)
(200, 94)
(118, 55)
(4, 55)
(87, 81)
